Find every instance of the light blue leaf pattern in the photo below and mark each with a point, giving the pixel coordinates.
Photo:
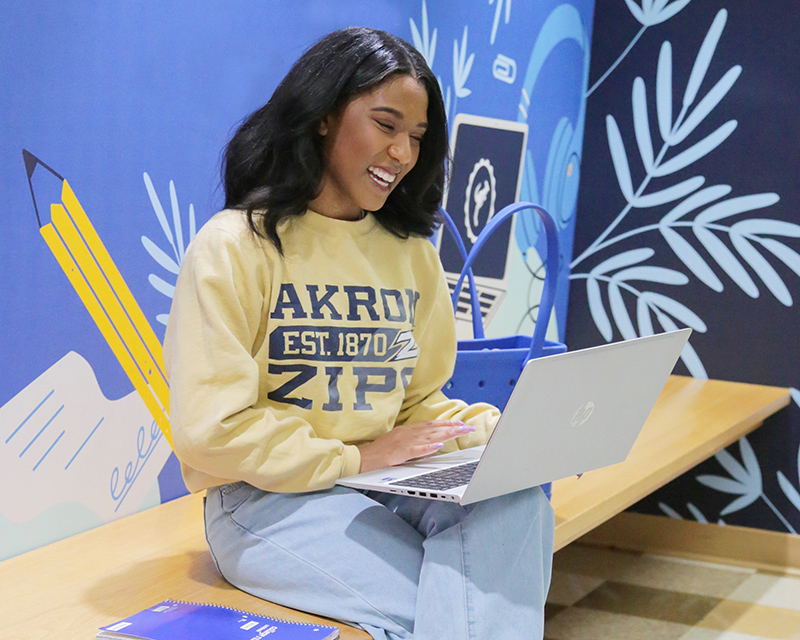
(696, 151)
(735, 206)
(160, 256)
(497, 12)
(789, 490)
(698, 515)
(676, 309)
(760, 265)
(619, 311)
(755, 226)
(664, 91)
(652, 274)
(161, 285)
(597, 309)
(696, 200)
(641, 124)
(691, 258)
(669, 511)
(174, 238)
(462, 65)
(670, 194)
(727, 261)
(425, 43)
(655, 11)
(619, 158)
(788, 256)
(626, 259)
(706, 105)
(689, 356)
(703, 59)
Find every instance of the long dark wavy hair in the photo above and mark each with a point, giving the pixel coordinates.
(273, 164)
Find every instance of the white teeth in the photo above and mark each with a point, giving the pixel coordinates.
(383, 176)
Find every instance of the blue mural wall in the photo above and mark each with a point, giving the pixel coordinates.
(688, 216)
(123, 110)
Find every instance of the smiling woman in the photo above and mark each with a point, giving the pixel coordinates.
(370, 146)
(310, 336)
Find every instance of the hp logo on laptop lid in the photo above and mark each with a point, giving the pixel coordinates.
(583, 414)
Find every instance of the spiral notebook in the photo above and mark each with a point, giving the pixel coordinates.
(176, 620)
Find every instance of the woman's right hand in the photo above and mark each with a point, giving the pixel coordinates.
(409, 441)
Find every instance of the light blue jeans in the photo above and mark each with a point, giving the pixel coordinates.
(396, 566)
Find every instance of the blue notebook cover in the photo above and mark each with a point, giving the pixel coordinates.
(174, 620)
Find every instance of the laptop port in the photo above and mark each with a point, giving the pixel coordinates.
(423, 494)
(412, 493)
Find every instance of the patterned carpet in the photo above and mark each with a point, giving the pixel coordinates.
(601, 594)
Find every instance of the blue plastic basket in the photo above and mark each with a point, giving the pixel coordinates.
(487, 369)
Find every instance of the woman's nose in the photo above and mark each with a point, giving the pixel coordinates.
(400, 150)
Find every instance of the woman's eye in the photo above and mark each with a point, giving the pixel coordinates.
(386, 126)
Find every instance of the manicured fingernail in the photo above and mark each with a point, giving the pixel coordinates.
(438, 445)
(465, 428)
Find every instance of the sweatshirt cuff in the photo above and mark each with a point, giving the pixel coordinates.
(352, 461)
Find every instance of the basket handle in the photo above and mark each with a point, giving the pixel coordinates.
(477, 328)
(551, 270)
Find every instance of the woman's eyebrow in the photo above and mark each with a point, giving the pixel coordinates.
(397, 114)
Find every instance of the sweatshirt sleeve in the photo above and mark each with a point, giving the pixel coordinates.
(436, 340)
(216, 325)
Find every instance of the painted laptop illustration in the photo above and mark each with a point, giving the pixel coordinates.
(569, 413)
(485, 176)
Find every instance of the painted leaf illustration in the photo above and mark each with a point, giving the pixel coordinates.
(791, 493)
(786, 486)
(725, 259)
(696, 151)
(695, 201)
(626, 259)
(761, 266)
(619, 158)
(670, 194)
(745, 481)
(669, 511)
(159, 210)
(707, 104)
(664, 91)
(698, 515)
(691, 258)
(619, 311)
(641, 125)
(597, 309)
(160, 256)
(161, 285)
(703, 60)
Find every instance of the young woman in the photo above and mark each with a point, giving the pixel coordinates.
(310, 336)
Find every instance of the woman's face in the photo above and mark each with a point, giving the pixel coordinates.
(370, 145)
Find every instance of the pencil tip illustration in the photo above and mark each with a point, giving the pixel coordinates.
(31, 162)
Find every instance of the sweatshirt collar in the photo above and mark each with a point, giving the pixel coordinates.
(339, 228)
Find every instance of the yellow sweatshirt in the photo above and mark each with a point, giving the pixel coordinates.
(279, 365)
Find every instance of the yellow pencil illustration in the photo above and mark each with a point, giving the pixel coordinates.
(99, 284)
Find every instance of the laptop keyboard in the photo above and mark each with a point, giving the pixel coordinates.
(443, 479)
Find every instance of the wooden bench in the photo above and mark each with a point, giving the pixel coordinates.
(68, 589)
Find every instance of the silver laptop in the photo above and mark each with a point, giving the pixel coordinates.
(569, 413)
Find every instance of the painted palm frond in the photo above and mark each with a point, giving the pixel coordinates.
(462, 66)
(745, 480)
(424, 41)
(174, 236)
(653, 12)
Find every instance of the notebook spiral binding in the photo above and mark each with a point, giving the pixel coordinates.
(249, 613)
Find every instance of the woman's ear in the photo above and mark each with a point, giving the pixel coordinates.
(323, 127)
